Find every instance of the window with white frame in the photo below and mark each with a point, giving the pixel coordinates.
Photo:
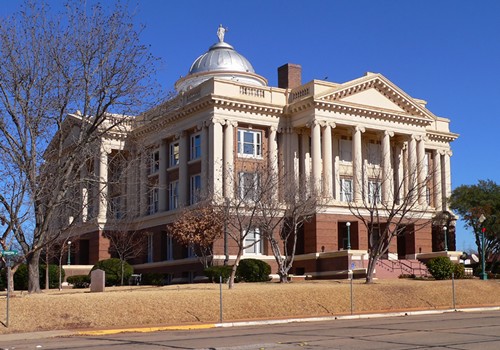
(346, 190)
(173, 195)
(191, 253)
(170, 247)
(345, 149)
(249, 186)
(115, 208)
(150, 247)
(195, 147)
(195, 189)
(253, 243)
(374, 192)
(154, 162)
(374, 155)
(154, 203)
(249, 143)
(174, 154)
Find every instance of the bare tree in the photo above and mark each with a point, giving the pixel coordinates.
(199, 228)
(388, 207)
(91, 62)
(126, 245)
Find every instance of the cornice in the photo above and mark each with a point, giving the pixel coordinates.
(440, 136)
(361, 110)
(247, 107)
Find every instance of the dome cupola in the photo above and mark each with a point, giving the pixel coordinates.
(221, 61)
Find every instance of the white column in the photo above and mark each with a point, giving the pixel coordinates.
(447, 178)
(305, 159)
(357, 163)
(399, 186)
(143, 184)
(421, 170)
(229, 175)
(294, 147)
(327, 161)
(336, 165)
(162, 176)
(215, 157)
(412, 167)
(438, 189)
(387, 174)
(316, 155)
(102, 166)
(205, 158)
(183, 169)
(84, 193)
(273, 155)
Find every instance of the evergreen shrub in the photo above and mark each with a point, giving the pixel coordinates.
(440, 268)
(253, 270)
(214, 272)
(79, 281)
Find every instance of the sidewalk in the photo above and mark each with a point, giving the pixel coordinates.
(68, 333)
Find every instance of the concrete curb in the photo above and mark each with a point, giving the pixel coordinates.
(67, 333)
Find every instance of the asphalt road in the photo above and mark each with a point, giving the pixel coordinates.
(456, 330)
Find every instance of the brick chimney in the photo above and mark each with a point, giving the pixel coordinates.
(289, 76)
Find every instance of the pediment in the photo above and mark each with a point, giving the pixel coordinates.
(373, 98)
(375, 92)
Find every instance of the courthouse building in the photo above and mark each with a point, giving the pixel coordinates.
(334, 136)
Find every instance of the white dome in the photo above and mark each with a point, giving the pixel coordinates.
(221, 61)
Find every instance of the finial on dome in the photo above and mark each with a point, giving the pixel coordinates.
(221, 31)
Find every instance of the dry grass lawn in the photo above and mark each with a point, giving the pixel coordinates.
(188, 304)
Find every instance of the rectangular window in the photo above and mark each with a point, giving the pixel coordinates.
(249, 143)
(253, 243)
(174, 154)
(154, 203)
(195, 189)
(170, 248)
(374, 192)
(374, 153)
(173, 195)
(345, 149)
(195, 147)
(115, 208)
(191, 252)
(346, 190)
(150, 248)
(249, 186)
(154, 162)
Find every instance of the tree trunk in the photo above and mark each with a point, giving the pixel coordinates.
(33, 261)
(10, 278)
(47, 269)
(233, 270)
(371, 268)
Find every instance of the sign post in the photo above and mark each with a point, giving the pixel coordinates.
(9, 256)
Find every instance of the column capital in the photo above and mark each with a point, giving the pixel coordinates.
(215, 120)
(231, 123)
(325, 123)
(313, 123)
(273, 128)
(388, 133)
(359, 128)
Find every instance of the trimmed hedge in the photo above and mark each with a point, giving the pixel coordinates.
(154, 279)
(113, 270)
(441, 268)
(214, 272)
(79, 281)
(253, 270)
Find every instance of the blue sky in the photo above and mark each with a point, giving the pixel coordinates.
(444, 51)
